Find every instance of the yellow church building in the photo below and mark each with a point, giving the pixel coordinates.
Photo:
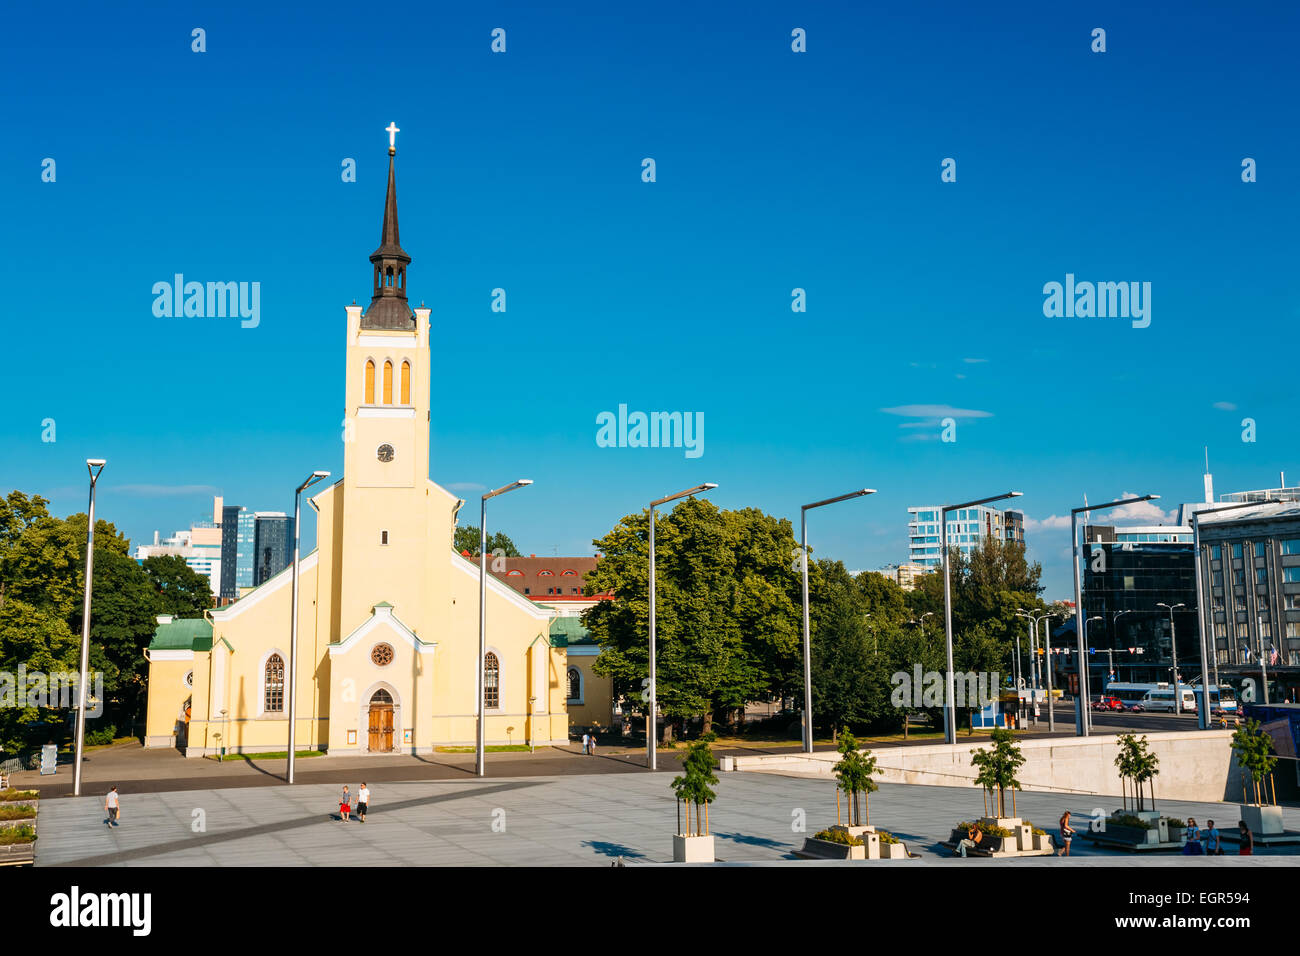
(388, 614)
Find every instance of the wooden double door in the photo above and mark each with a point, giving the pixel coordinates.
(381, 722)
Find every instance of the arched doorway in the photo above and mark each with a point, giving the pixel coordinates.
(381, 722)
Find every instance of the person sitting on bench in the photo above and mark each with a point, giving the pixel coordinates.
(973, 838)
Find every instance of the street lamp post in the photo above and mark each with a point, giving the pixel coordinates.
(1209, 643)
(1047, 666)
(480, 760)
(1033, 620)
(94, 466)
(949, 707)
(1081, 698)
(807, 641)
(314, 477)
(1173, 649)
(652, 716)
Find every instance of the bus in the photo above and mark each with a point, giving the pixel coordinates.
(1221, 698)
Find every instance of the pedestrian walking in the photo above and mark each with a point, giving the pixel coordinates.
(345, 804)
(1067, 834)
(1247, 847)
(1213, 841)
(593, 745)
(112, 807)
(586, 743)
(363, 801)
(1193, 845)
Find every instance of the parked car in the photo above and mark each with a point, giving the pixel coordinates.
(1135, 708)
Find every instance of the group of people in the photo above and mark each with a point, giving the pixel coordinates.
(363, 803)
(1209, 842)
(1197, 841)
(589, 744)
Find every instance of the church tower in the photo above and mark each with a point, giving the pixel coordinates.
(386, 428)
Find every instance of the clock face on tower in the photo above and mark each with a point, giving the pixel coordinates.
(385, 452)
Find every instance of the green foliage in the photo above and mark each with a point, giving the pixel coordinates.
(23, 833)
(1138, 764)
(693, 787)
(838, 836)
(1254, 750)
(1129, 820)
(850, 673)
(988, 829)
(1175, 824)
(727, 609)
(998, 765)
(42, 579)
(182, 591)
(853, 774)
(21, 811)
(887, 838)
(103, 734)
(467, 539)
(13, 794)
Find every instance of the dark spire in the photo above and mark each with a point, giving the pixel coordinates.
(388, 307)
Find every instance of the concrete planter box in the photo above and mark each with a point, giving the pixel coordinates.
(1134, 835)
(893, 851)
(830, 850)
(1263, 820)
(1006, 823)
(692, 849)
(1024, 837)
(1177, 834)
(16, 854)
(1043, 841)
(726, 764)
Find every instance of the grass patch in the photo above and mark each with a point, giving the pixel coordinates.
(279, 755)
(494, 749)
(22, 834)
(18, 812)
(12, 794)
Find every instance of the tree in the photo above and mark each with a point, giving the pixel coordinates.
(467, 539)
(853, 773)
(182, 591)
(693, 787)
(978, 652)
(727, 609)
(1136, 763)
(850, 677)
(1254, 754)
(997, 769)
(41, 643)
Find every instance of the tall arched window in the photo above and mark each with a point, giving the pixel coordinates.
(274, 682)
(370, 382)
(406, 383)
(491, 681)
(388, 383)
(575, 684)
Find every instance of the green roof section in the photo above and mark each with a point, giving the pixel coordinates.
(183, 634)
(569, 630)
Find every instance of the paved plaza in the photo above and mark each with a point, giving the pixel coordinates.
(569, 820)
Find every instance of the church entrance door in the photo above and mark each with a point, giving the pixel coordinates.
(381, 722)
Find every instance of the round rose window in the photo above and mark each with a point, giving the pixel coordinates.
(382, 654)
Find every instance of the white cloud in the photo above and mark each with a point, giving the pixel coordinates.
(974, 361)
(1139, 512)
(935, 411)
(1225, 406)
(1051, 522)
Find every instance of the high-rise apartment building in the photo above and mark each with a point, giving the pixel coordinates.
(966, 528)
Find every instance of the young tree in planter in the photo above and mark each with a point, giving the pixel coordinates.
(1253, 750)
(693, 786)
(854, 772)
(1137, 763)
(997, 769)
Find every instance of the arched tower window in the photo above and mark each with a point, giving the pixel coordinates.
(274, 681)
(370, 382)
(388, 383)
(575, 684)
(406, 383)
(491, 681)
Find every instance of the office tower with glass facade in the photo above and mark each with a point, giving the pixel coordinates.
(272, 548)
(966, 528)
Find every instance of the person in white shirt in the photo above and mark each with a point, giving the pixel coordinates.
(112, 807)
(363, 801)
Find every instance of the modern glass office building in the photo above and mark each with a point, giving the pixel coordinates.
(966, 528)
(238, 527)
(1127, 574)
(272, 547)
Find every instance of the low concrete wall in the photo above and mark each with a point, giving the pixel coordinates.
(1193, 766)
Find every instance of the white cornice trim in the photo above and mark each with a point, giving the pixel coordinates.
(470, 568)
(386, 411)
(260, 594)
(382, 617)
(171, 655)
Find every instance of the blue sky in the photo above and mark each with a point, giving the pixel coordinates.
(775, 170)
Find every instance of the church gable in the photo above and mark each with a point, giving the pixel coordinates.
(382, 623)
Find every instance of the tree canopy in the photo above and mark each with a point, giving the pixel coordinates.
(467, 539)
